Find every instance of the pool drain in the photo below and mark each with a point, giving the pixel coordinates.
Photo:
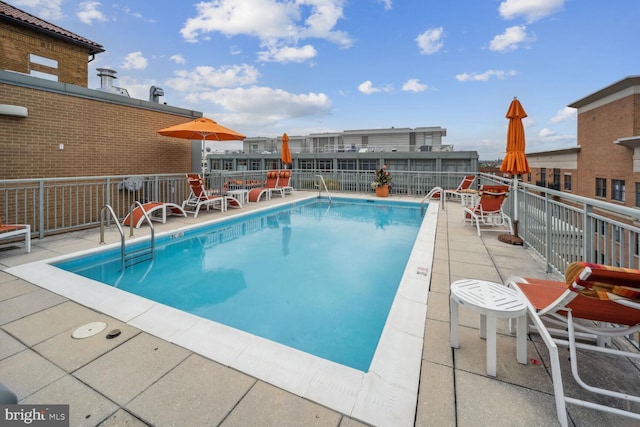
(89, 330)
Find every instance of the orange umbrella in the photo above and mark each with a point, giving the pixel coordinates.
(204, 129)
(286, 153)
(515, 161)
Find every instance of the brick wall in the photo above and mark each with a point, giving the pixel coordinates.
(599, 157)
(99, 137)
(18, 43)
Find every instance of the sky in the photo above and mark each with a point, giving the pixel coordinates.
(265, 67)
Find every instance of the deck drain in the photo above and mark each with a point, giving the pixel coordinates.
(89, 330)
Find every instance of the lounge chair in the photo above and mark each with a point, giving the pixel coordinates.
(488, 211)
(157, 211)
(465, 185)
(270, 187)
(592, 293)
(284, 176)
(10, 231)
(199, 197)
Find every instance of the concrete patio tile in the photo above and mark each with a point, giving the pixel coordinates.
(485, 401)
(436, 401)
(70, 353)
(265, 405)
(86, 406)
(440, 267)
(26, 372)
(464, 244)
(5, 277)
(9, 345)
(438, 307)
(27, 304)
(132, 367)
(50, 322)
(436, 348)
(473, 258)
(474, 271)
(207, 393)
(122, 418)
(440, 283)
(350, 422)
(15, 287)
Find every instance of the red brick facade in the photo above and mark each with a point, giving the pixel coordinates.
(98, 137)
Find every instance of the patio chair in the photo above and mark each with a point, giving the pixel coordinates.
(465, 185)
(488, 211)
(592, 293)
(265, 192)
(11, 231)
(284, 176)
(200, 196)
(157, 211)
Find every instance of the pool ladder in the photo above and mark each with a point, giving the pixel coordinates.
(318, 181)
(135, 256)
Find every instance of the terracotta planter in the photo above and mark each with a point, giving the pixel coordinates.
(382, 191)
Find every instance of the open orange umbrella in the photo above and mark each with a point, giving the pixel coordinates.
(286, 152)
(203, 129)
(515, 161)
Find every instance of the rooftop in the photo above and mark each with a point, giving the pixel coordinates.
(140, 379)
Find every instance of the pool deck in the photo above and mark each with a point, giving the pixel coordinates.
(138, 379)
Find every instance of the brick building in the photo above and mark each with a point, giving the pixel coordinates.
(606, 162)
(52, 125)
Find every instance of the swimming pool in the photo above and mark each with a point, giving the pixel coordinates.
(316, 276)
(384, 395)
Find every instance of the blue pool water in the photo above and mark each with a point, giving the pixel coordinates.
(315, 276)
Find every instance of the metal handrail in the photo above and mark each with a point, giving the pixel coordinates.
(147, 218)
(324, 184)
(109, 209)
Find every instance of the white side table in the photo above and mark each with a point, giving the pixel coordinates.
(492, 301)
(242, 196)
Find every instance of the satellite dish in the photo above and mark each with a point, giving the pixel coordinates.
(208, 149)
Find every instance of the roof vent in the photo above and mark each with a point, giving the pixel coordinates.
(107, 76)
(155, 93)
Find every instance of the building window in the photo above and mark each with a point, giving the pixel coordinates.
(305, 164)
(543, 178)
(368, 165)
(325, 165)
(255, 165)
(567, 182)
(638, 194)
(618, 190)
(347, 164)
(556, 178)
(601, 187)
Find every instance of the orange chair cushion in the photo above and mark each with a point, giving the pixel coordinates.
(603, 281)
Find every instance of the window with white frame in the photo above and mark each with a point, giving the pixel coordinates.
(618, 190)
(601, 187)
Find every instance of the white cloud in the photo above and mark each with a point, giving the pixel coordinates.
(511, 39)
(88, 12)
(483, 77)
(547, 133)
(288, 23)
(567, 113)
(134, 61)
(287, 54)
(45, 9)
(367, 88)
(178, 59)
(388, 4)
(531, 10)
(204, 78)
(430, 42)
(414, 85)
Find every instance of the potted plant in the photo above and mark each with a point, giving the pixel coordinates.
(381, 182)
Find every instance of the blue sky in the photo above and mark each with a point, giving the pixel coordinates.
(264, 67)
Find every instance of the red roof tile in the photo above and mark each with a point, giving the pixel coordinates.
(13, 14)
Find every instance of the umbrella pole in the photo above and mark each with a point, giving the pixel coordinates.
(513, 239)
(202, 166)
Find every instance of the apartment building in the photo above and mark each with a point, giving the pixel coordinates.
(605, 164)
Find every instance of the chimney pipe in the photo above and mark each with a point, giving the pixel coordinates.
(107, 77)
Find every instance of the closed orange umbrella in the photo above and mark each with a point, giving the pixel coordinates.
(515, 161)
(286, 153)
(204, 129)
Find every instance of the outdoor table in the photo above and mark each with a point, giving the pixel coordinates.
(492, 301)
(242, 196)
(469, 198)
